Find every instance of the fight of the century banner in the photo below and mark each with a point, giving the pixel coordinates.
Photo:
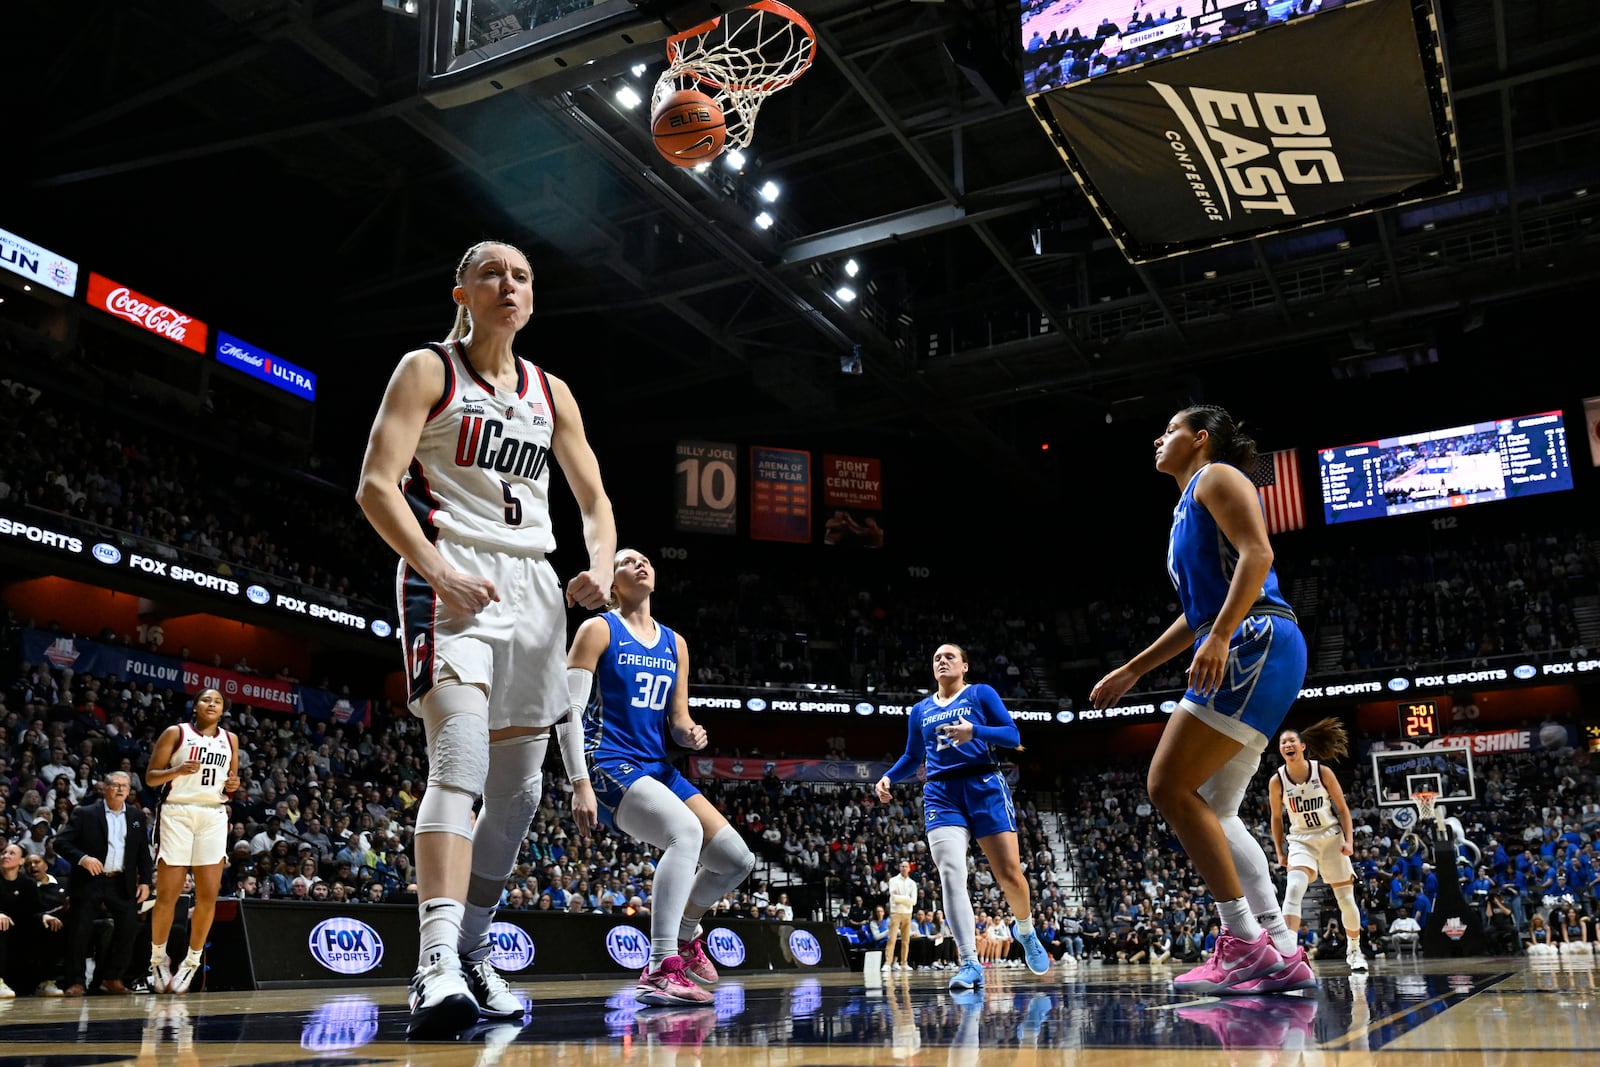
(1305, 122)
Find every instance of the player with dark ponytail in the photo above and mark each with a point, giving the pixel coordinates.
(1249, 660)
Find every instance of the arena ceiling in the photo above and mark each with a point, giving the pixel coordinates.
(273, 164)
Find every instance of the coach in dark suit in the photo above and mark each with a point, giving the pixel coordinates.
(108, 845)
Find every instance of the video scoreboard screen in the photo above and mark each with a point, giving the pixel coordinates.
(1066, 41)
(1448, 468)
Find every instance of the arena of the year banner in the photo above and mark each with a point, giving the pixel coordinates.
(1328, 116)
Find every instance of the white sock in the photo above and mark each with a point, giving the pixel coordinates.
(158, 953)
(1025, 926)
(1283, 938)
(689, 929)
(1238, 920)
(193, 957)
(440, 929)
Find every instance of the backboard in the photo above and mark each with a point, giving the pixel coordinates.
(1399, 772)
(473, 49)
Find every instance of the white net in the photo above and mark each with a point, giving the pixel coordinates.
(739, 60)
(1427, 809)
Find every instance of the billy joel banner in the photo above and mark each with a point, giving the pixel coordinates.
(706, 496)
(1331, 115)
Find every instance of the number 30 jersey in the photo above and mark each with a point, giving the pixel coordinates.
(481, 473)
(634, 683)
(214, 753)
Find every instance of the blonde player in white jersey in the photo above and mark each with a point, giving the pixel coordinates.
(197, 766)
(1320, 831)
(456, 480)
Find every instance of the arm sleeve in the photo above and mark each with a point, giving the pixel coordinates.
(915, 755)
(1001, 729)
(569, 731)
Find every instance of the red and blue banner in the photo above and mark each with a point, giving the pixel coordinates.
(780, 495)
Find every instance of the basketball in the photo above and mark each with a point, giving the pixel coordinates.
(688, 128)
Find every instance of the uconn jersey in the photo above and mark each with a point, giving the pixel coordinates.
(627, 716)
(481, 474)
(214, 753)
(1307, 804)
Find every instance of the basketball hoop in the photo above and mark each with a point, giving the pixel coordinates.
(739, 59)
(1426, 811)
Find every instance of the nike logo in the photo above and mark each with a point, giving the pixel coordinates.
(435, 907)
(704, 142)
(624, 644)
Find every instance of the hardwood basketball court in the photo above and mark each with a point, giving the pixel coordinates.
(1431, 1013)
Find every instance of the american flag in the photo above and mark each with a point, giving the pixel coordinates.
(1277, 481)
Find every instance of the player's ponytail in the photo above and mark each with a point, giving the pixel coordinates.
(462, 326)
(1326, 739)
(1229, 443)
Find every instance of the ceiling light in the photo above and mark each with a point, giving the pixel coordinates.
(628, 97)
(769, 192)
(1210, 274)
(845, 294)
(27, 288)
(1580, 192)
(736, 159)
(852, 268)
(639, 69)
(764, 221)
(703, 165)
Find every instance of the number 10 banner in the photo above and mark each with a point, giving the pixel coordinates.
(706, 496)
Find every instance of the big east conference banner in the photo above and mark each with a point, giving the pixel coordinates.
(1299, 123)
(146, 312)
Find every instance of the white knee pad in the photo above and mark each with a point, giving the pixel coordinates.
(511, 791)
(1224, 791)
(456, 717)
(726, 853)
(1295, 893)
(444, 809)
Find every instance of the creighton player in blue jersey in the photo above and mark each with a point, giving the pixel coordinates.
(1248, 666)
(470, 428)
(956, 732)
(637, 671)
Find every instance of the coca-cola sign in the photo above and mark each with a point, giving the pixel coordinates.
(146, 313)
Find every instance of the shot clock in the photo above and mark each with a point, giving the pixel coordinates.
(1419, 720)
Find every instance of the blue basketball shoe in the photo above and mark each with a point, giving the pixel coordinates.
(970, 976)
(1034, 952)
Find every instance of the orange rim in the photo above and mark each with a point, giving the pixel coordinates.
(771, 6)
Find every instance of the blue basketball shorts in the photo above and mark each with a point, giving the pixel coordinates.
(612, 778)
(981, 803)
(1265, 672)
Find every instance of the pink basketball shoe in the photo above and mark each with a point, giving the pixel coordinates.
(669, 985)
(1295, 974)
(1234, 961)
(696, 960)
